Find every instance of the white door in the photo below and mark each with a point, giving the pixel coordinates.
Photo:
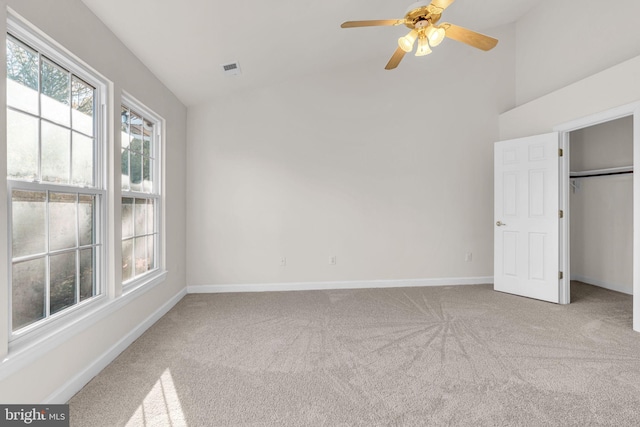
(526, 217)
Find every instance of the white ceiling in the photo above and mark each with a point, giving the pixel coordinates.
(185, 42)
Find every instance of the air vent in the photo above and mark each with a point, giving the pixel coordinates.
(232, 69)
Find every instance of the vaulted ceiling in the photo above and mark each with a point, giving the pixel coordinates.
(185, 42)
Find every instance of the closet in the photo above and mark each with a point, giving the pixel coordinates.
(601, 204)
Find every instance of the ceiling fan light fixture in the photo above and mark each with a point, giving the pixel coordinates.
(435, 35)
(423, 47)
(406, 42)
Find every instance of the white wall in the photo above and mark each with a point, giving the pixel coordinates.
(563, 41)
(611, 88)
(602, 207)
(389, 171)
(72, 25)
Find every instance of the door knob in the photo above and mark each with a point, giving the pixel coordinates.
(500, 223)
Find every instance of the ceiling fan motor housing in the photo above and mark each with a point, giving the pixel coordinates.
(421, 11)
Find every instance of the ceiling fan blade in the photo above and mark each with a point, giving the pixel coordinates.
(469, 37)
(442, 4)
(372, 23)
(395, 59)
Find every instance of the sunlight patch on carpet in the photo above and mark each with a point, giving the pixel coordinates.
(161, 406)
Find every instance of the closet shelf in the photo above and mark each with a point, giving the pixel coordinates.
(602, 172)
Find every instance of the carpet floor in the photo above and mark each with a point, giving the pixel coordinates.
(457, 355)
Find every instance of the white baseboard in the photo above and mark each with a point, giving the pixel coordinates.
(357, 284)
(603, 284)
(75, 384)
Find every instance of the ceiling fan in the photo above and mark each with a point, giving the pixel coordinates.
(421, 18)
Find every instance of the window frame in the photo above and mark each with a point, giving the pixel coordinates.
(156, 193)
(26, 35)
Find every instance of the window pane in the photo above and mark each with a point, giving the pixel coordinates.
(147, 175)
(151, 213)
(22, 77)
(124, 127)
(55, 93)
(136, 132)
(127, 217)
(141, 255)
(135, 161)
(62, 221)
(151, 252)
(127, 259)
(148, 134)
(56, 146)
(62, 281)
(86, 274)
(22, 146)
(140, 217)
(82, 106)
(125, 169)
(86, 208)
(82, 160)
(28, 222)
(27, 292)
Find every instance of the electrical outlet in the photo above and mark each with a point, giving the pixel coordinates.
(333, 260)
(468, 257)
(283, 261)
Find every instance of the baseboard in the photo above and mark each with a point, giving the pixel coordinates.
(603, 284)
(75, 384)
(357, 284)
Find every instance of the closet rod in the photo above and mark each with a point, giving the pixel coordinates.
(600, 174)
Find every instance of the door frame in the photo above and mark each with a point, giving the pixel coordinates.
(632, 109)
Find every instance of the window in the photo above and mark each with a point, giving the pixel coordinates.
(54, 150)
(140, 136)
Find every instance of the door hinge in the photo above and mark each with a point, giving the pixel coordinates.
(560, 152)
(560, 275)
(561, 214)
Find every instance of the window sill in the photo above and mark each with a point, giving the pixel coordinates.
(139, 284)
(27, 349)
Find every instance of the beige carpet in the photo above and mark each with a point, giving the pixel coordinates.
(463, 355)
